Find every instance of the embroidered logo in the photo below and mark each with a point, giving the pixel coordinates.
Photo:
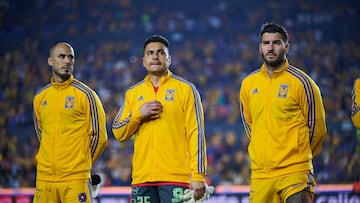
(169, 95)
(135, 190)
(140, 98)
(177, 192)
(283, 91)
(82, 197)
(255, 91)
(69, 102)
(44, 103)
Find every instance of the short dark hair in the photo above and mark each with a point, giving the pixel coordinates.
(274, 28)
(156, 38)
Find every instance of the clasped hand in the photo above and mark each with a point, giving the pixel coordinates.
(151, 110)
(188, 196)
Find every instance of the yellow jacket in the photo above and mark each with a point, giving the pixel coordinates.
(70, 124)
(171, 148)
(355, 109)
(284, 118)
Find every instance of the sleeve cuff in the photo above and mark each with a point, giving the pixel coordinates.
(198, 177)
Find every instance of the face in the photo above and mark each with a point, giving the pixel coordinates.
(156, 58)
(273, 50)
(62, 60)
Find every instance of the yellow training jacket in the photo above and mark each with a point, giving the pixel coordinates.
(284, 118)
(171, 148)
(355, 109)
(70, 123)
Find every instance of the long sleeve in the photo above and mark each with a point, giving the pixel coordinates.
(355, 107)
(97, 129)
(127, 120)
(314, 112)
(194, 118)
(36, 119)
(244, 110)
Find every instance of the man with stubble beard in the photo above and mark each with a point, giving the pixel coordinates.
(70, 124)
(284, 118)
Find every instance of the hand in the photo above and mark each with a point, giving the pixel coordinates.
(188, 196)
(199, 189)
(151, 110)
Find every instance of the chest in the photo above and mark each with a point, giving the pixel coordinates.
(63, 106)
(280, 96)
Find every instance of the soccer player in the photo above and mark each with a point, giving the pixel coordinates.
(355, 109)
(70, 124)
(284, 118)
(165, 114)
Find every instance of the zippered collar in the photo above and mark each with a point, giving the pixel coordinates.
(163, 79)
(276, 73)
(62, 84)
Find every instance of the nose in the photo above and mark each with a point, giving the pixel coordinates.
(270, 46)
(68, 59)
(155, 55)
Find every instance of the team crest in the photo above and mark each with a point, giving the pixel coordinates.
(140, 98)
(169, 95)
(283, 91)
(82, 197)
(69, 102)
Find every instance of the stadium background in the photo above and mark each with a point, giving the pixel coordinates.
(214, 44)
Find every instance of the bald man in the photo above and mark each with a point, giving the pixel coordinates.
(70, 124)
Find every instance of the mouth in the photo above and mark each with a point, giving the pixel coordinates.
(66, 69)
(155, 63)
(271, 54)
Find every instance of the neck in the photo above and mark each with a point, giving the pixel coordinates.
(271, 68)
(155, 78)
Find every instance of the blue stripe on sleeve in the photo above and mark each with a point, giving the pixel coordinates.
(199, 120)
(309, 95)
(93, 114)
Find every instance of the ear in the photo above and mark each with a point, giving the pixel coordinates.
(143, 60)
(169, 60)
(50, 61)
(260, 48)
(287, 46)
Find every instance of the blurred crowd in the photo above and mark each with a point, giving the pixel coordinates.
(213, 43)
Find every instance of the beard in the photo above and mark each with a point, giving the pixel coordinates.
(64, 76)
(275, 62)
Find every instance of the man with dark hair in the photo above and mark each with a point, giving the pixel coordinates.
(165, 115)
(284, 118)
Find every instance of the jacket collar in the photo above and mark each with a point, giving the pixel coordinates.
(64, 84)
(163, 79)
(276, 72)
